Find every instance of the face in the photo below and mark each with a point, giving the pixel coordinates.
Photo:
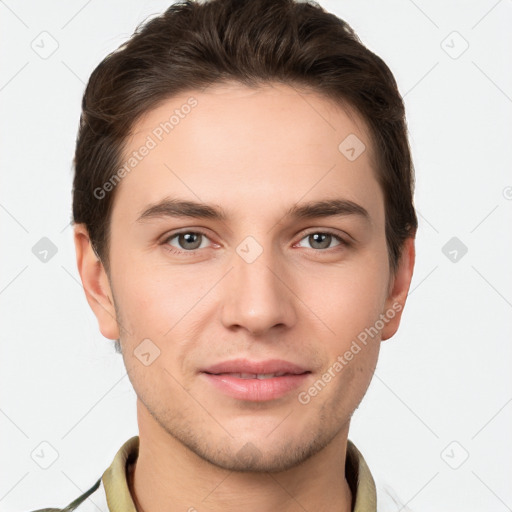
(246, 241)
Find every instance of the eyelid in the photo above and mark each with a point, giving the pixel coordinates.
(344, 239)
(179, 231)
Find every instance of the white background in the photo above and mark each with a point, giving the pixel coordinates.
(444, 378)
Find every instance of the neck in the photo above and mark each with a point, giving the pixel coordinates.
(169, 476)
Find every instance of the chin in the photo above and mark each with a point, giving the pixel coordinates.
(257, 455)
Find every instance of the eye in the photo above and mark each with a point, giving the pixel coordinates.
(186, 241)
(322, 240)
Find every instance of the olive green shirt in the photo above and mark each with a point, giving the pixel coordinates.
(110, 493)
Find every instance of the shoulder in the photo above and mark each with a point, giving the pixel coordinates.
(92, 500)
(111, 487)
(371, 491)
(387, 498)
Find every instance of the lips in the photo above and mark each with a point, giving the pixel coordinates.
(247, 368)
(260, 376)
(255, 381)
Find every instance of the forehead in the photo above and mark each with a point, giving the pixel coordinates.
(238, 145)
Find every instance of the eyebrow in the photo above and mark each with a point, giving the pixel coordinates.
(172, 207)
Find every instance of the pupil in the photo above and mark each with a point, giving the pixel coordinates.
(190, 238)
(321, 238)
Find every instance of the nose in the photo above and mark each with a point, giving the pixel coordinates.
(258, 296)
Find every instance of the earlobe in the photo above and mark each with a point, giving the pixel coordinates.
(399, 288)
(95, 283)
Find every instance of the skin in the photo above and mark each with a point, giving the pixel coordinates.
(255, 153)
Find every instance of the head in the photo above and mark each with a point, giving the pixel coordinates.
(282, 142)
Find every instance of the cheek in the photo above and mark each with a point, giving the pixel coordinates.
(350, 299)
(155, 298)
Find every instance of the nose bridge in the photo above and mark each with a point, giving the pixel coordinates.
(256, 297)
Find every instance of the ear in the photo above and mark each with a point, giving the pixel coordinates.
(398, 289)
(95, 282)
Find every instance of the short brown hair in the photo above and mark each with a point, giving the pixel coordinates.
(193, 45)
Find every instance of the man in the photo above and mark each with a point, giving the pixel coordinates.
(244, 230)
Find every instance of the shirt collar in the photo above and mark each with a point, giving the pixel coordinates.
(360, 480)
(119, 498)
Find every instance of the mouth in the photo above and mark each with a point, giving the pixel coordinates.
(260, 376)
(255, 381)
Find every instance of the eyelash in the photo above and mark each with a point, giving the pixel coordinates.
(174, 250)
